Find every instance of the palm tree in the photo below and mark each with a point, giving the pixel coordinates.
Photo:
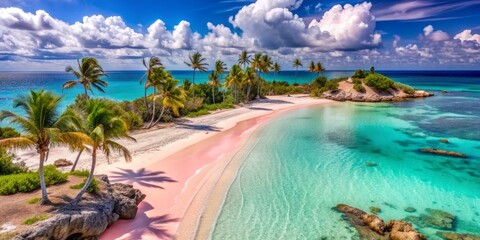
(266, 66)
(311, 66)
(244, 58)
(102, 128)
(172, 97)
(276, 68)
(214, 81)
(157, 78)
(153, 63)
(249, 79)
(319, 68)
(197, 62)
(89, 74)
(41, 125)
(297, 63)
(220, 68)
(234, 79)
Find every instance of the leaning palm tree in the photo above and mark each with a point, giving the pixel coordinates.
(102, 129)
(214, 81)
(244, 59)
(249, 79)
(41, 126)
(158, 77)
(234, 79)
(173, 97)
(297, 63)
(153, 64)
(89, 75)
(319, 68)
(265, 67)
(276, 68)
(197, 62)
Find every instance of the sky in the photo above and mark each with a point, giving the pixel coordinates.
(48, 35)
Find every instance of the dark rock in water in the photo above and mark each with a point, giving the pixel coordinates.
(434, 218)
(444, 140)
(458, 236)
(91, 216)
(372, 227)
(400, 230)
(443, 152)
(62, 163)
(389, 205)
(444, 91)
(410, 209)
(371, 164)
(375, 210)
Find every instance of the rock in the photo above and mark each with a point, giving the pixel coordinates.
(91, 216)
(401, 230)
(355, 217)
(371, 164)
(410, 209)
(434, 218)
(444, 140)
(62, 163)
(444, 91)
(458, 236)
(375, 210)
(422, 94)
(443, 152)
(374, 222)
(398, 99)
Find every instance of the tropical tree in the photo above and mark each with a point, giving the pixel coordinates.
(244, 59)
(318, 68)
(102, 129)
(249, 79)
(89, 75)
(153, 64)
(234, 79)
(42, 126)
(311, 66)
(276, 68)
(214, 81)
(265, 67)
(197, 62)
(297, 63)
(372, 70)
(220, 68)
(172, 96)
(157, 78)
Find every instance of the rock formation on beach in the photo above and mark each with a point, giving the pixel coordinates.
(346, 92)
(458, 236)
(91, 216)
(372, 227)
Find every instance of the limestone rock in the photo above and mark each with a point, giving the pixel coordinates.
(443, 152)
(434, 218)
(458, 236)
(444, 140)
(375, 210)
(401, 230)
(91, 216)
(62, 163)
(410, 209)
(374, 222)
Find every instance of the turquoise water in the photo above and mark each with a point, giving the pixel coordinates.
(312, 159)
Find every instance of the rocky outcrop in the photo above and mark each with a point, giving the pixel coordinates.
(443, 152)
(62, 163)
(91, 216)
(434, 218)
(458, 236)
(372, 227)
(401, 230)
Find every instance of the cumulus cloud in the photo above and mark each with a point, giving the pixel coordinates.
(436, 36)
(467, 35)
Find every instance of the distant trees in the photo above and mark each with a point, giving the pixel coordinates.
(296, 64)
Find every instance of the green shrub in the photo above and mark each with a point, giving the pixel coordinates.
(92, 188)
(198, 113)
(7, 166)
(33, 200)
(331, 85)
(357, 80)
(320, 82)
(27, 182)
(379, 82)
(79, 173)
(360, 74)
(403, 87)
(359, 87)
(32, 220)
(133, 120)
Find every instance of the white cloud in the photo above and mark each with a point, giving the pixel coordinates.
(467, 35)
(436, 36)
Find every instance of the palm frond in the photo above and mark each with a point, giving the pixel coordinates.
(17, 143)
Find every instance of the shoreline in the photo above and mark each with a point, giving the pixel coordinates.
(174, 175)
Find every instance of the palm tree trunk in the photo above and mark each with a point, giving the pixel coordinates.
(89, 179)
(258, 86)
(154, 110)
(193, 80)
(248, 92)
(42, 180)
(213, 94)
(161, 115)
(145, 98)
(76, 160)
(296, 73)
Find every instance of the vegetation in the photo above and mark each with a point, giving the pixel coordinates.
(379, 82)
(33, 200)
(359, 87)
(359, 74)
(296, 64)
(403, 87)
(29, 181)
(34, 219)
(197, 62)
(89, 75)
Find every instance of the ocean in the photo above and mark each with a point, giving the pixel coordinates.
(365, 155)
